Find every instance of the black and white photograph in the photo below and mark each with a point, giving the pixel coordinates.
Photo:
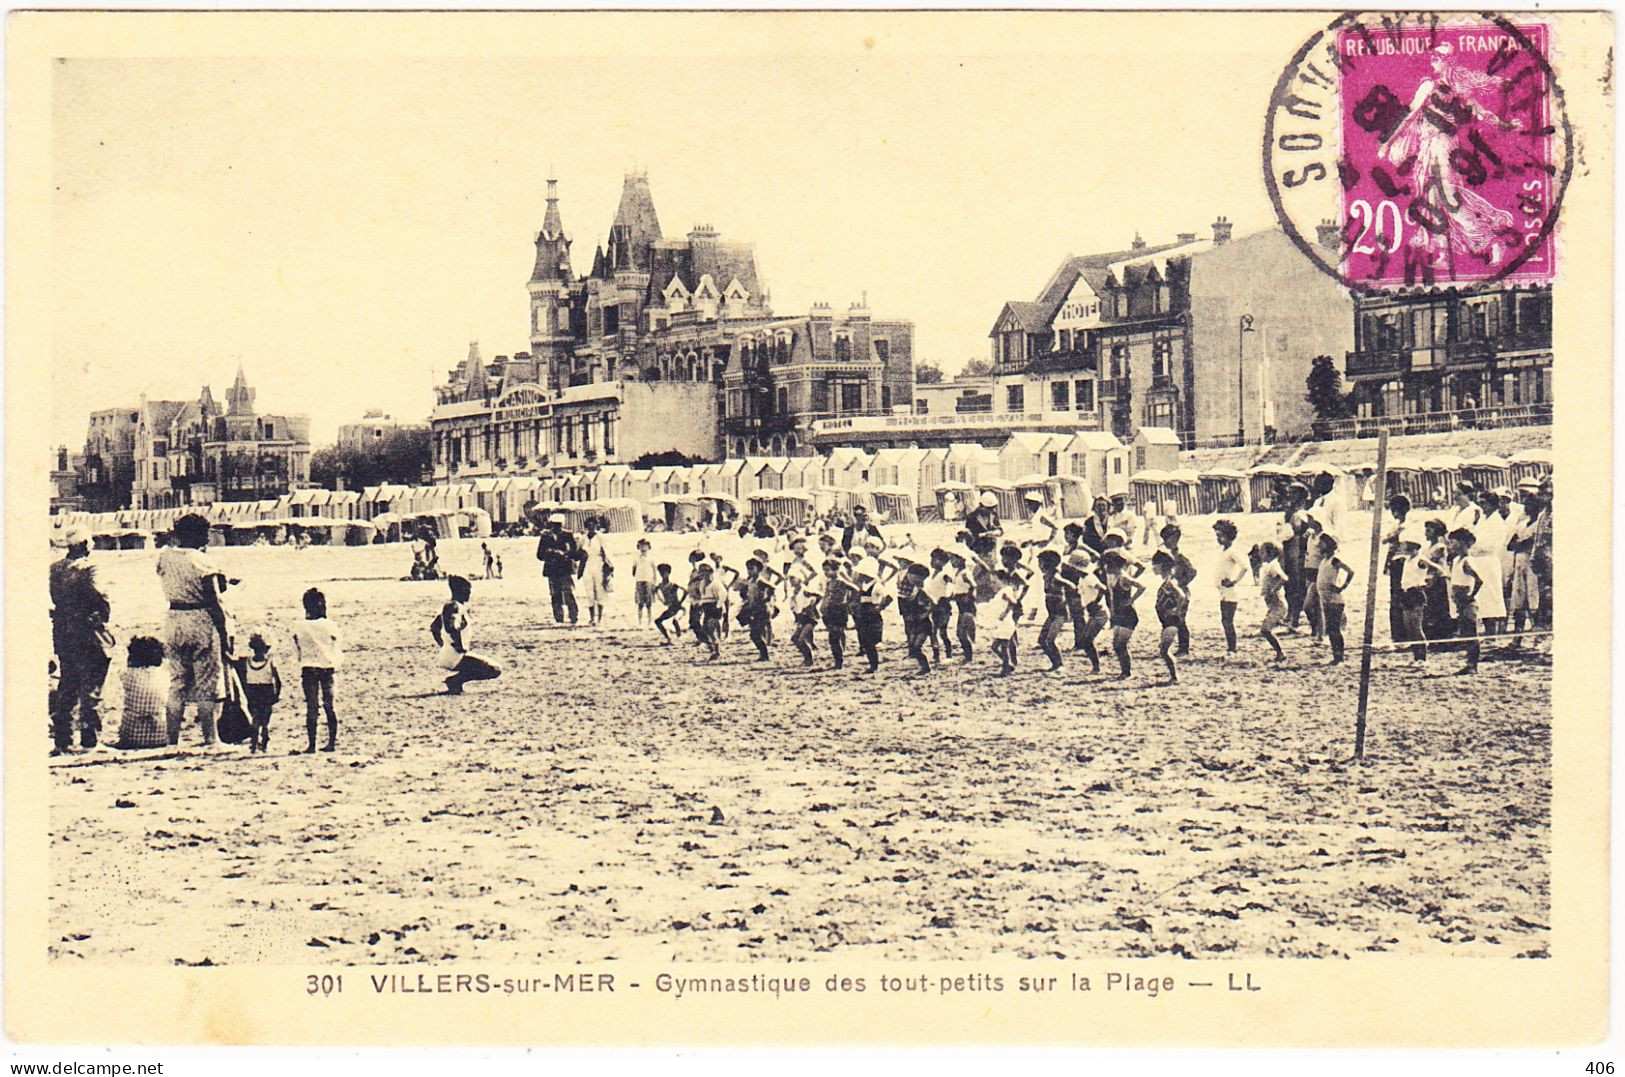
(700, 500)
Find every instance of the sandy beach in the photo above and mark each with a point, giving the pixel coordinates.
(612, 798)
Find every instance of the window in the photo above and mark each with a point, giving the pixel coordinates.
(1015, 397)
(843, 349)
(1119, 362)
(882, 350)
(885, 398)
(1060, 395)
(1084, 391)
(1162, 354)
(783, 400)
(851, 396)
(820, 396)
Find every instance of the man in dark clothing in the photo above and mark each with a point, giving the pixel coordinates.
(79, 613)
(984, 519)
(558, 552)
(861, 525)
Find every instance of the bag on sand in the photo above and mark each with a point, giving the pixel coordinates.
(234, 726)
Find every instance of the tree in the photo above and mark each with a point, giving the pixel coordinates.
(976, 368)
(400, 456)
(1325, 390)
(668, 458)
(927, 374)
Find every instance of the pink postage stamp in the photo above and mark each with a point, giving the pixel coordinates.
(1432, 149)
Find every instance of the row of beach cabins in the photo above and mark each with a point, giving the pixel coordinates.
(895, 485)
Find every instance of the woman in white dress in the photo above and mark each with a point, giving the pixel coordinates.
(596, 572)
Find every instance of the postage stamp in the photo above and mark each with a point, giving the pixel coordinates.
(1422, 150)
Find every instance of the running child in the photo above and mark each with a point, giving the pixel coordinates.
(942, 606)
(1056, 605)
(696, 560)
(671, 595)
(804, 614)
(840, 591)
(867, 614)
(450, 632)
(962, 593)
(262, 684)
(755, 606)
(1122, 589)
(1088, 600)
(705, 599)
(317, 648)
(1184, 573)
(918, 610)
(1172, 601)
(1332, 578)
(1272, 581)
(1002, 612)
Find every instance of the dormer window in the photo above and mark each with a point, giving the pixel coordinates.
(843, 348)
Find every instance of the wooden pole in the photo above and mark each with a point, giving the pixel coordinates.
(1379, 487)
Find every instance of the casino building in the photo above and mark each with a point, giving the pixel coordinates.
(665, 345)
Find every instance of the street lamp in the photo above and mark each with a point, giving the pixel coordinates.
(1245, 327)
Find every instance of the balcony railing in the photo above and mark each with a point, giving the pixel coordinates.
(1435, 422)
(1388, 361)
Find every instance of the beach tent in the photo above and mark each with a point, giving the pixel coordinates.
(1145, 488)
(932, 463)
(1487, 471)
(612, 479)
(1266, 483)
(1222, 490)
(621, 514)
(1406, 476)
(1010, 506)
(724, 508)
(1531, 464)
(1442, 473)
(681, 512)
(954, 499)
(1028, 451)
(792, 507)
(893, 504)
(1069, 494)
(1181, 492)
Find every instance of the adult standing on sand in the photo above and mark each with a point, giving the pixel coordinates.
(195, 626)
(984, 519)
(79, 613)
(558, 553)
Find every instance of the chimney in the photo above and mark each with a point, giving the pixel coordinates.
(1330, 236)
(1187, 237)
(1221, 231)
(820, 312)
(859, 311)
(1138, 244)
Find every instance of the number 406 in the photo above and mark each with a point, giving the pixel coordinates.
(1600, 1067)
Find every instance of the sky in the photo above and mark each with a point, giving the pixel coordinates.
(344, 226)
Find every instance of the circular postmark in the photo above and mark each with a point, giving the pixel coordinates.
(1421, 150)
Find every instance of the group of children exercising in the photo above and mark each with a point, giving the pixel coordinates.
(951, 597)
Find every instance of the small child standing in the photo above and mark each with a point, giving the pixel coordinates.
(317, 648)
(839, 593)
(263, 686)
(705, 600)
(490, 562)
(1088, 594)
(1232, 569)
(1272, 582)
(871, 600)
(671, 595)
(942, 606)
(1172, 601)
(962, 593)
(1332, 578)
(146, 696)
(804, 610)
(1465, 583)
(643, 583)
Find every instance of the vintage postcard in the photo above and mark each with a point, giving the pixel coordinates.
(866, 527)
